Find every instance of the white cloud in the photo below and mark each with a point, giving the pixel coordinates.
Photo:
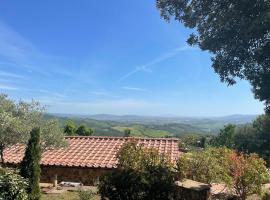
(163, 57)
(11, 75)
(135, 89)
(18, 52)
(7, 87)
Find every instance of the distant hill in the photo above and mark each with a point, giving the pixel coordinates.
(153, 126)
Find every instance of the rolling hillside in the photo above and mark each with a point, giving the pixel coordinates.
(112, 125)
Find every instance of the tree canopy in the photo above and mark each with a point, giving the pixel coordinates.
(226, 137)
(71, 128)
(17, 119)
(82, 130)
(236, 33)
(255, 138)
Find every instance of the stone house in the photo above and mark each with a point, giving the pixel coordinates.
(86, 158)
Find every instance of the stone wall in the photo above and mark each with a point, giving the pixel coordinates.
(86, 176)
(191, 190)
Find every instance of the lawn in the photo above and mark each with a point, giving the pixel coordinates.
(64, 196)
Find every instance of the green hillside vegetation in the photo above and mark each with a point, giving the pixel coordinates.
(148, 127)
(143, 131)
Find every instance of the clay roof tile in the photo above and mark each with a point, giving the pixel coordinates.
(92, 151)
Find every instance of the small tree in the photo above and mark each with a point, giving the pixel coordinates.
(83, 131)
(30, 168)
(12, 185)
(248, 173)
(17, 119)
(70, 128)
(226, 137)
(142, 174)
(127, 132)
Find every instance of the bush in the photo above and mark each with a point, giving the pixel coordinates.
(207, 166)
(266, 196)
(12, 185)
(249, 173)
(142, 174)
(85, 194)
(242, 173)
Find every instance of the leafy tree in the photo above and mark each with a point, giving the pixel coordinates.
(248, 173)
(207, 166)
(245, 138)
(142, 174)
(203, 142)
(127, 132)
(70, 128)
(226, 137)
(17, 119)
(30, 168)
(236, 33)
(83, 131)
(194, 141)
(242, 173)
(12, 185)
(255, 138)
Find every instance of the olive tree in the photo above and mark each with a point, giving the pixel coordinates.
(18, 118)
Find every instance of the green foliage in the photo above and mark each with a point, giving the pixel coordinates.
(236, 33)
(255, 138)
(30, 168)
(127, 132)
(141, 130)
(248, 173)
(86, 194)
(17, 119)
(12, 185)
(266, 196)
(154, 127)
(194, 141)
(226, 137)
(142, 174)
(207, 166)
(83, 131)
(70, 128)
(243, 173)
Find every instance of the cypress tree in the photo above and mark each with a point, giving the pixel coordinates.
(30, 168)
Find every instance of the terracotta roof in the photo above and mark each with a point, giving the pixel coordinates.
(92, 151)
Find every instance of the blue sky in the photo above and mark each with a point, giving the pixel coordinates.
(115, 57)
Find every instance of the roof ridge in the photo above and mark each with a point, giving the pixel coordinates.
(122, 137)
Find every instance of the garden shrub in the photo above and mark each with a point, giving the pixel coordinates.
(266, 196)
(85, 194)
(142, 174)
(243, 173)
(12, 185)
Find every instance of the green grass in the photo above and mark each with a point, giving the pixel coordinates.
(142, 131)
(64, 196)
